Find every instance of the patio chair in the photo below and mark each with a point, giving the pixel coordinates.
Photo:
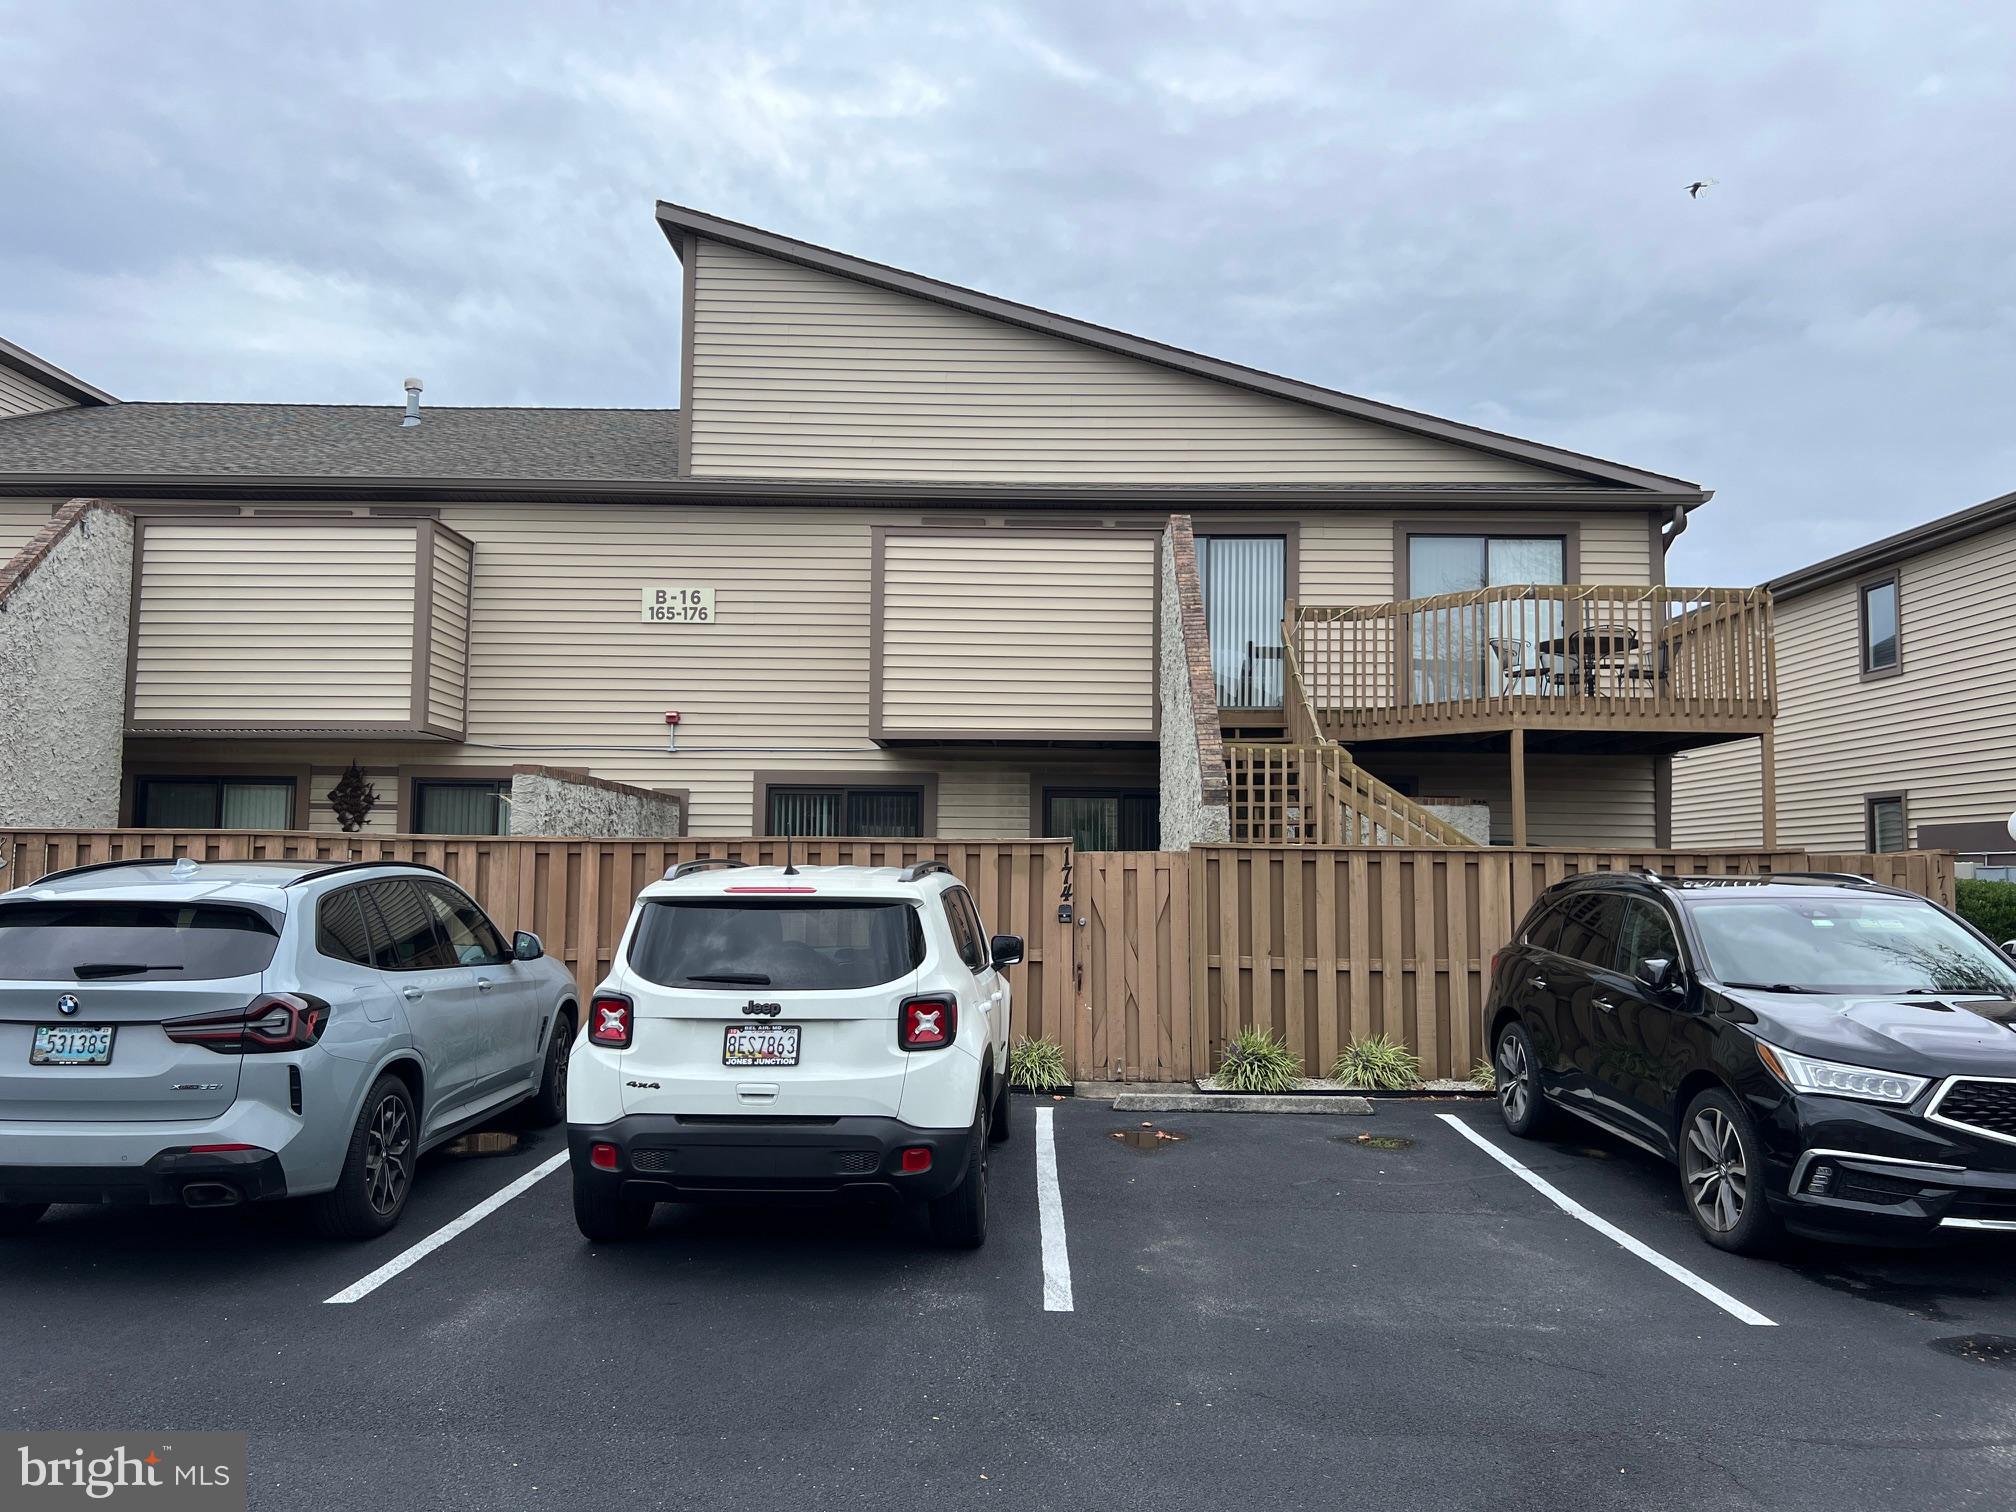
(1522, 669)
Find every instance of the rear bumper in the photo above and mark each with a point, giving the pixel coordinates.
(666, 1158)
(222, 1178)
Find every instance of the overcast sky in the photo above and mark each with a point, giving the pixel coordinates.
(1472, 209)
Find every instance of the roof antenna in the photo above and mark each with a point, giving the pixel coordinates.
(789, 869)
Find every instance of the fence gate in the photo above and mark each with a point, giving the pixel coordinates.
(1132, 965)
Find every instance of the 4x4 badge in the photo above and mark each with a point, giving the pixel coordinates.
(767, 1010)
(68, 1003)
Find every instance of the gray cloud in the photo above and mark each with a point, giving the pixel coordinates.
(1472, 209)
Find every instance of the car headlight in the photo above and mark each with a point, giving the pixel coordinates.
(1802, 1073)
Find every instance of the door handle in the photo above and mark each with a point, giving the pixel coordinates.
(1605, 1004)
(1538, 984)
(411, 994)
(482, 984)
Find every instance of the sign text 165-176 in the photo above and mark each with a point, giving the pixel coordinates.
(678, 605)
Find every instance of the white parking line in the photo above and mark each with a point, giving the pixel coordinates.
(1050, 1215)
(447, 1231)
(1738, 1310)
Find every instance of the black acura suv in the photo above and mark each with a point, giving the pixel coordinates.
(1814, 1051)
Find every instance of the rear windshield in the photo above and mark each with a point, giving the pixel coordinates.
(86, 941)
(781, 946)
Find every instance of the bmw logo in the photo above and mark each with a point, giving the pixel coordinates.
(68, 1003)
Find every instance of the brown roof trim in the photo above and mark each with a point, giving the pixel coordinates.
(1959, 526)
(28, 365)
(680, 221)
(856, 492)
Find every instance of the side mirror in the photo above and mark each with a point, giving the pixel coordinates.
(2009, 949)
(525, 946)
(1007, 950)
(1660, 976)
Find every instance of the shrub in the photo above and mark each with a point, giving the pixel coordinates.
(1485, 1074)
(1256, 1061)
(1037, 1065)
(1989, 906)
(1377, 1062)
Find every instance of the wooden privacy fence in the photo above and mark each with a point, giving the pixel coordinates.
(575, 894)
(1165, 954)
(1323, 946)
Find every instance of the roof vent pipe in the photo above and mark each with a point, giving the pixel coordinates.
(412, 403)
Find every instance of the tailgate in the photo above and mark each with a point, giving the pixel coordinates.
(145, 1076)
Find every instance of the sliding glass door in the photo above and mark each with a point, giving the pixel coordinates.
(1465, 650)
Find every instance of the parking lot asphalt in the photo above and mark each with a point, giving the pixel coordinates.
(1267, 1312)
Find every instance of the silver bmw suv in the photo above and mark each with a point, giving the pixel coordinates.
(211, 1033)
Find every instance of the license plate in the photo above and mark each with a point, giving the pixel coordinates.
(760, 1045)
(71, 1045)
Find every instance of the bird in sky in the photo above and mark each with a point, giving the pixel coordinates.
(1694, 189)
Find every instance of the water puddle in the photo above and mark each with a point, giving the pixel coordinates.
(487, 1142)
(1373, 1141)
(1147, 1137)
(1919, 1299)
(1982, 1349)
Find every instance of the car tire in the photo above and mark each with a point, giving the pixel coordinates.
(548, 1106)
(1722, 1175)
(959, 1218)
(1000, 1123)
(19, 1217)
(1516, 1065)
(605, 1218)
(378, 1166)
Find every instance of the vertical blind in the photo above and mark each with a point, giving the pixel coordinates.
(1245, 583)
(214, 803)
(876, 812)
(462, 808)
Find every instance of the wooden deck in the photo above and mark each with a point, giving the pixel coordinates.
(1576, 657)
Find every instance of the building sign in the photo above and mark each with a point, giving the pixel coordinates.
(680, 604)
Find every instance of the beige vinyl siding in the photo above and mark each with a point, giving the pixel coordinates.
(21, 395)
(802, 373)
(384, 816)
(248, 623)
(1348, 557)
(1938, 731)
(1000, 632)
(1616, 548)
(19, 520)
(1570, 800)
(1718, 796)
(448, 633)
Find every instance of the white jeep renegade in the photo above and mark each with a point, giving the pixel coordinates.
(778, 1031)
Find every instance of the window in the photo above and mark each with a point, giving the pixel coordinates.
(407, 937)
(871, 811)
(1467, 650)
(1103, 819)
(1887, 829)
(1245, 585)
(1545, 931)
(1589, 926)
(248, 803)
(341, 932)
(472, 938)
(461, 806)
(1647, 935)
(1879, 626)
(90, 940)
(965, 926)
(780, 946)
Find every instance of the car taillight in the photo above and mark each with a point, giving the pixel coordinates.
(609, 1021)
(927, 1023)
(275, 1022)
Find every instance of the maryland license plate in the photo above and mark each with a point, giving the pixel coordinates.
(761, 1045)
(71, 1045)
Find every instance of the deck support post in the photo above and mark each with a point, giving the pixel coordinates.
(1518, 785)
(1768, 766)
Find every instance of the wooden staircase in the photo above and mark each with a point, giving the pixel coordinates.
(1317, 795)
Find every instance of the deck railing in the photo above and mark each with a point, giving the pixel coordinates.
(1317, 795)
(1565, 656)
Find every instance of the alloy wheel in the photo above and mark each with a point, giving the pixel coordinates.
(388, 1155)
(1718, 1178)
(556, 1071)
(1515, 1090)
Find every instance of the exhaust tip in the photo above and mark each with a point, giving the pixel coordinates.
(209, 1194)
